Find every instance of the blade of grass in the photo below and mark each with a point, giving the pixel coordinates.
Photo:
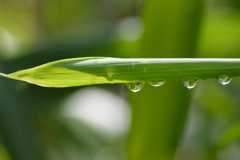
(88, 71)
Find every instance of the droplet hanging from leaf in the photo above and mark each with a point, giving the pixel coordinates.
(224, 80)
(135, 87)
(190, 83)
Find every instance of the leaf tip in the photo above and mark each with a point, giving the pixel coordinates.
(2, 74)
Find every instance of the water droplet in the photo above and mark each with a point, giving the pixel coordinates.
(135, 87)
(190, 83)
(156, 83)
(224, 80)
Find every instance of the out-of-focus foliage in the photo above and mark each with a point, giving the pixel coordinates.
(41, 123)
(171, 30)
(220, 34)
(212, 127)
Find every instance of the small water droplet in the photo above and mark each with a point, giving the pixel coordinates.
(135, 87)
(224, 80)
(190, 83)
(156, 83)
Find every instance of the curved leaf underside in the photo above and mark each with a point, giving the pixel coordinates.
(100, 70)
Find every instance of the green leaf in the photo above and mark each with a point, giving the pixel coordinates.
(88, 71)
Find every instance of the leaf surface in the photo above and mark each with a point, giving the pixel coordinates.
(89, 71)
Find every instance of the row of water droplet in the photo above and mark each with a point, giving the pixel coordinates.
(189, 83)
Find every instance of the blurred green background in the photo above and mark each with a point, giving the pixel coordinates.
(108, 122)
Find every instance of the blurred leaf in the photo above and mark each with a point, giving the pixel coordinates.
(220, 34)
(228, 135)
(4, 155)
(15, 123)
(170, 31)
(217, 101)
(88, 71)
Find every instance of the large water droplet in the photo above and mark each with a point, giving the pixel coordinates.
(224, 80)
(156, 83)
(135, 87)
(190, 83)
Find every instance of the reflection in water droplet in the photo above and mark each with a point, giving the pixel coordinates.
(135, 87)
(190, 83)
(224, 80)
(156, 83)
